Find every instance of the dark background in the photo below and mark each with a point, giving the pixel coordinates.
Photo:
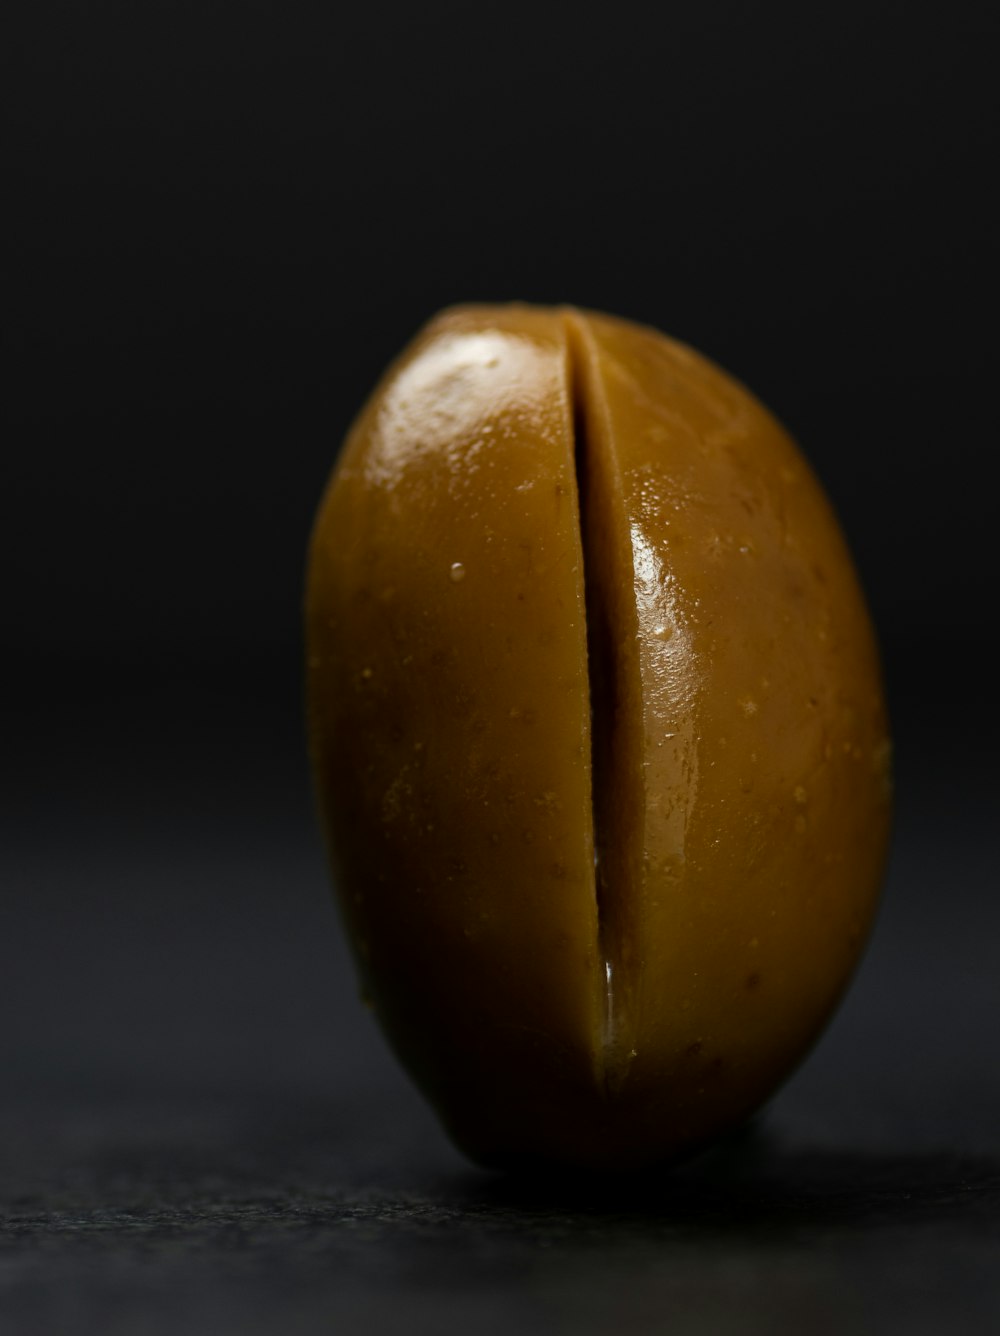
(226, 219)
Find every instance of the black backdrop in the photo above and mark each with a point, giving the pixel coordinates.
(226, 218)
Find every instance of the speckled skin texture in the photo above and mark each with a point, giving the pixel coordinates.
(573, 589)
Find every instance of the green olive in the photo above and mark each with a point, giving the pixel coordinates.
(598, 735)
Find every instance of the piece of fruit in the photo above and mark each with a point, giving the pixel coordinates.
(598, 735)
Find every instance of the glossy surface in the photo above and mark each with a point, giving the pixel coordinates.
(681, 678)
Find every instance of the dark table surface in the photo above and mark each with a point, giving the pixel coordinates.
(202, 1130)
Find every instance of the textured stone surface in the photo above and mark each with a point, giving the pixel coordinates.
(202, 1216)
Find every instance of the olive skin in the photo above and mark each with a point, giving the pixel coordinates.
(598, 736)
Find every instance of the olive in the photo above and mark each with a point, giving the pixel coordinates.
(598, 735)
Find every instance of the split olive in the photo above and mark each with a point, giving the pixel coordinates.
(598, 735)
